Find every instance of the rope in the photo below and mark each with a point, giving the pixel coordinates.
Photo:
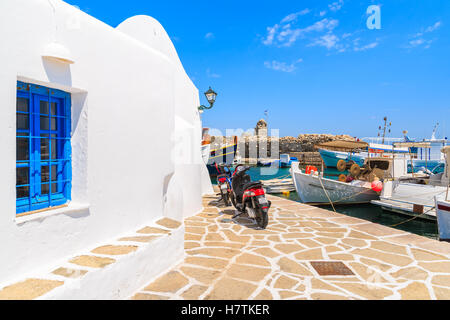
(414, 218)
(326, 193)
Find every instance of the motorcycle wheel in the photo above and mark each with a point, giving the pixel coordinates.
(233, 199)
(226, 199)
(262, 218)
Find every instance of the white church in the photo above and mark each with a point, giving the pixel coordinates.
(100, 136)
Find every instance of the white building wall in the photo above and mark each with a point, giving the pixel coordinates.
(126, 95)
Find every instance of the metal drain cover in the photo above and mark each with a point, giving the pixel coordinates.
(326, 268)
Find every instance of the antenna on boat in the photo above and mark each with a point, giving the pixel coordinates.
(382, 130)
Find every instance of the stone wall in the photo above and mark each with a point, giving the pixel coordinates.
(301, 147)
(304, 142)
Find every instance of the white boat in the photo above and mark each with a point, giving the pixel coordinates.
(278, 186)
(443, 219)
(416, 199)
(317, 190)
(443, 207)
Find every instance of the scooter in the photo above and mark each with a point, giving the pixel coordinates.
(224, 182)
(249, 197)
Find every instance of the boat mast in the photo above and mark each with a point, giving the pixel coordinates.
(386, 127)
(433, 135)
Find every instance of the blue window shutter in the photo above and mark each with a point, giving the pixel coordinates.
(49, 175)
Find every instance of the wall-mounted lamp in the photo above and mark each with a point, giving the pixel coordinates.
(57, 52)
(211, 97)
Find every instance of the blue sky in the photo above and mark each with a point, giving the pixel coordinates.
(314, 64)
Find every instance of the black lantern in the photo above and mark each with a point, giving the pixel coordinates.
(211, 96)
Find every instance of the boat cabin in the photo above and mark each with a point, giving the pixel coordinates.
(386, 168)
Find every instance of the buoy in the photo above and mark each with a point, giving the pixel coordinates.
(310, 169)
(342, 178)
(355, 170)
(341, 165)
(377, 186)
(286, 193)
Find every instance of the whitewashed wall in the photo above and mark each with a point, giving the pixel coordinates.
(190, 174)
(129, 92)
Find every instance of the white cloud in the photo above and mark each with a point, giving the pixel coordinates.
(336, 6)
(436, 26)
(294, 16)
(366, 47)
(270, 34)
(329, 41)
(209, 35)
(286, 33)
(319, 26)
(209, 74)
(322, 13)
(322, 25)
(282, 66)
(321, 33)
(419, 38)
(419, 42)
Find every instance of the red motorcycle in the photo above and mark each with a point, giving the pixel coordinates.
(249, 197)
(224, 182)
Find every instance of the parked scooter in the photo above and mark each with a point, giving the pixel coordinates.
(224, 182)
(249, 197)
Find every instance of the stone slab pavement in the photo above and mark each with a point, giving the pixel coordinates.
(305, 253)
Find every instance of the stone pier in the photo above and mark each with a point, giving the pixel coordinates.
(305, 253)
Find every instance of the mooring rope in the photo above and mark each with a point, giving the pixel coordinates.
(326, 193)
(396, 225)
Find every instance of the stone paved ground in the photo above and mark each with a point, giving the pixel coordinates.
(228, 259)
(98, 258)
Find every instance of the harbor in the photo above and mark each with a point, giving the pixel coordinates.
(359, 174)
(282, 157)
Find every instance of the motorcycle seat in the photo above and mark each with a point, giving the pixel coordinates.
(253, 184)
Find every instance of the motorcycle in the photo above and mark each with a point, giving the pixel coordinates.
(249, 197)
(224, 183)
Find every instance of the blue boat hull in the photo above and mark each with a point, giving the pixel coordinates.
(331, 158)
(433, 165)
(277, 164)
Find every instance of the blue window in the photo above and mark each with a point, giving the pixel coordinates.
(43, 158)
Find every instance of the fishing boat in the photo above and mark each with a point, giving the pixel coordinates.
(417, 196)
(443, 206)
(314, 189)
(331, 158)
(278, 186)
(284, 162)
(361, 185)
(443, 219)
(223, 155)
(331, 152)
(429, 158)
